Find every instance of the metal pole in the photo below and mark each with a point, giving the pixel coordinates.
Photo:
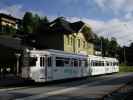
(101, 48)
(17, 67)
(124, 56)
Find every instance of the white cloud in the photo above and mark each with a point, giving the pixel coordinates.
(100, 3)
(14, 10)
(120, 29)
(116, 5)
(128, 16)
(18, 11)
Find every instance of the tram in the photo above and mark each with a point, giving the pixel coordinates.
(49, 65)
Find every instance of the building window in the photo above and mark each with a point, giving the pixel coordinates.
(71, 40)
(79, 43)
(68, 40)
(84, 44)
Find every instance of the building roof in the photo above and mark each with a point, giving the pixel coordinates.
(9, 17)
(61, 25)
(76, 26)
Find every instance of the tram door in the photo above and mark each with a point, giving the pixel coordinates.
(49, 65)
(46, 67)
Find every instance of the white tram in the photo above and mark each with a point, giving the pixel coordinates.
(48, 65)
(102, 65)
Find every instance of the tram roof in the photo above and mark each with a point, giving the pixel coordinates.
(102, 58)
(51, 51)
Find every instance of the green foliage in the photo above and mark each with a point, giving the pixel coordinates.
(33, 24)
(28, 22)
(125, 68)
(109, 47)
(113, 47)
(87, 32)
(9, 30)
(43, 25)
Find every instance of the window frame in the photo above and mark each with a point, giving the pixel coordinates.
(60, 61)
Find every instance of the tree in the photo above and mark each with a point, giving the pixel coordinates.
(109, 47)
(113, 47)
(128, 54)
(10, 30)
(43, 25)
(88, 33)
(36, 23)
(28, 22)
(33, 24)
(105, 45)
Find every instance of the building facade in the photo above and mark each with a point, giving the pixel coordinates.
(76, 43)
(66, 36)
(8, 23)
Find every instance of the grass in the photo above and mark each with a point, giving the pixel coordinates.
(125, 68)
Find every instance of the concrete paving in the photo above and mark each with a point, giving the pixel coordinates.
(79, 90)
(6, 96)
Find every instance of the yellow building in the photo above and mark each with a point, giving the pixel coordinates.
(79, 41)
(70, 37)
(7, 22)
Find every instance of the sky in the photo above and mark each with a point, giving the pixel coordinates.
(108, 18)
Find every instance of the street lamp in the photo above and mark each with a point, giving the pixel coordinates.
(124, 53)
(17, 67)
(101, 47)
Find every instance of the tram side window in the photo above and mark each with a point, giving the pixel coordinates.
(42, 61)
(75, 63)
(110, 64)
(96, 63)
(102, 63)
(86, 63)
(99, 63)
(49, 62)
(67, 62)
(114, 63)
(72, 62)
(117, 63)
(92, 63)
(80, 63)
(107, 63)
(59, 62)
(32, 61)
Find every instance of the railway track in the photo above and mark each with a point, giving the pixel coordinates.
(124, 92)
(110, 87)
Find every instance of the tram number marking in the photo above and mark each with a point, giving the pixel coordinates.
(70, 71)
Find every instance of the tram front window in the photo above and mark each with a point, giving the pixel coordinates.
(32, 61)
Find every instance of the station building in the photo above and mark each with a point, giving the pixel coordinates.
(8, 23)
(62, 35)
